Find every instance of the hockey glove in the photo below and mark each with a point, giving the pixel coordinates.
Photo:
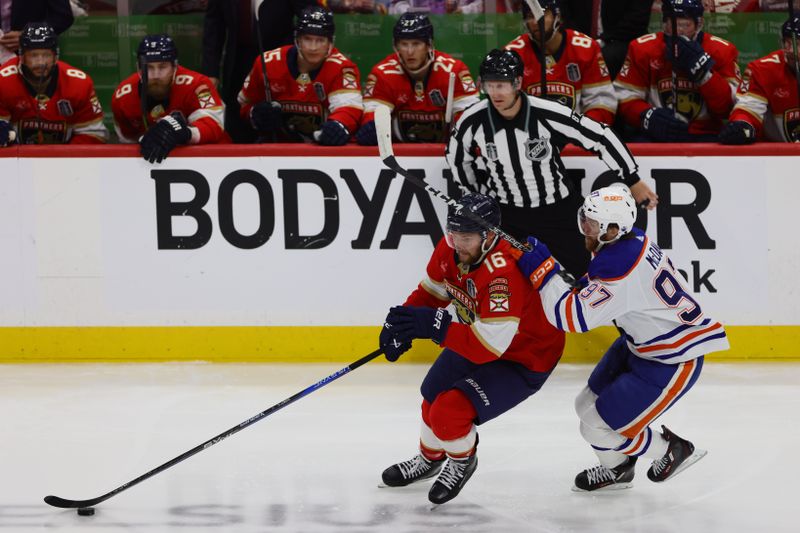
(392, 348)
(332, 133)
(367, 135)
(738, 132)
(169, 132)
(266, 117)
(6, 134)
(661, 124)
(412, 323)
(538, 265)
(691, 58)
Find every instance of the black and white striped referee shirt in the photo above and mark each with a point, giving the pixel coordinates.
(518, 161)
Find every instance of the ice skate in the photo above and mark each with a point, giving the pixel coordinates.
(407, 472)
(603, 478)
(451, 480)
(681, 454)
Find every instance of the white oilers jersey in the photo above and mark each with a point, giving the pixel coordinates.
(633, 284)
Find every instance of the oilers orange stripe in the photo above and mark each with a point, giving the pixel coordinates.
(570, 322)
(680, 341)
(683, 378)
(636, 445)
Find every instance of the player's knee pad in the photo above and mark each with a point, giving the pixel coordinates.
(596, 431)
(451, 415)
(584, 401)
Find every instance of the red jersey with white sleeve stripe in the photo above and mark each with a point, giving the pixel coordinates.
(192, 94)
(577, 75)
(633, 285)
(418, 107)
(645, 81)
(333, 92)
(496, 313)
(68, 112)
(768, 99)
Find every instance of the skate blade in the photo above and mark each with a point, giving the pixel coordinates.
(607, 488)
(696, 456)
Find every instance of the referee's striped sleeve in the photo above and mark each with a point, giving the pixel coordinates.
(458, 154)
(590, 135)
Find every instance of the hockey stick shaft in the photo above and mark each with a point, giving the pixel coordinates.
(674, 22)
(538, 14)
(383, 126)
(64, 503)
(448, 110)
(795, 50)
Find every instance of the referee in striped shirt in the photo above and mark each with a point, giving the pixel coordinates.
(508, 146)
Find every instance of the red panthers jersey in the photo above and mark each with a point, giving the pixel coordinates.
(645, 81)
(192, 94)
(496, 312)
(577, 75)
(333, 92)
(767, 99)
(68, 112)
(418, 106)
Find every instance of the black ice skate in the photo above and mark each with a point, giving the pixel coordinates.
(408, 472)
(681, 454)
(600, 477)
(454, 476)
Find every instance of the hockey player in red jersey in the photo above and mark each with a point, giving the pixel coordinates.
(664, 337)
(768, 103)
(577, 75)
(705, 72)
(44, 100)
(413, 83)
(179, 106)
(499, 348)
(314, 91)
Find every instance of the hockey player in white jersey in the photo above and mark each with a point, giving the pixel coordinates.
(665, 334)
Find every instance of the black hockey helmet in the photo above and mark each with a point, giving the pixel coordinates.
(155, 48)
(552, 5)
(501, 65)
(315, 20)
(38, 35)
(413, 26)
(791, 26)
(481, 205)
(692, 9)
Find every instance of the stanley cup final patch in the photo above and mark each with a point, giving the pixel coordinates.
(573, 72)
(537, 149)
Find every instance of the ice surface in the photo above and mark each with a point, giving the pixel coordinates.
(78, 431)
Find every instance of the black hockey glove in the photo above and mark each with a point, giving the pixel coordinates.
(691, 59)
(392, 348)
(266, 117)
(738, 132)
(661, 124)
(169, 132)
(332, 133)
(412, 323)
(367, 135)
(6, 134)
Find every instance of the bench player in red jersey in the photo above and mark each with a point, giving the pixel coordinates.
(413, 83)
(499, 348)
(178, 107)
(44, 100)
(314, 91)
(577, 75)
(706, 76)
(768, 104)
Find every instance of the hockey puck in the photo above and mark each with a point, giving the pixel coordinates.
(86, 511)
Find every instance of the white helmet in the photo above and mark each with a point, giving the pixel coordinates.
(606, 206)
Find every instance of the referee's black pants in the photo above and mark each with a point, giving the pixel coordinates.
(556, 225)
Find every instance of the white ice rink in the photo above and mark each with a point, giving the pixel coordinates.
(78, 431)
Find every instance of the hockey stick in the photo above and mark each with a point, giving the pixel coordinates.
(538, 15)
(448, 110)
(65, 503)
(794, 48)
(261, 52)
(674, 21)
(383, 127)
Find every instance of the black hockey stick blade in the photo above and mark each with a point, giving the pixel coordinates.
(383, 127)
(65, 503)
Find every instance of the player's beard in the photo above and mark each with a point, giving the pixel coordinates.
(158, 89)
(591, 243)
